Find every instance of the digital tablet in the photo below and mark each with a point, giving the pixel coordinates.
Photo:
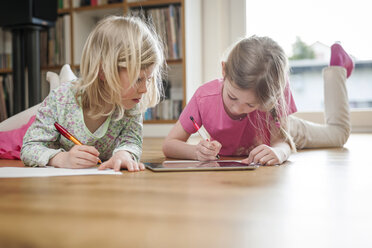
(187, 165)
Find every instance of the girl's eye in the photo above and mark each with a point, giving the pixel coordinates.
(232, 98)
(250, 105)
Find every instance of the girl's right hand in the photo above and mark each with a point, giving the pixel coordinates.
(80, 156)
(207, 150)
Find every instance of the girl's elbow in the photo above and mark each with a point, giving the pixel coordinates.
(24, 158)
(22, 152)
(165, 148)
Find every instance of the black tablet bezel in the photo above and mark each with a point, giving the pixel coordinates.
(199, 166)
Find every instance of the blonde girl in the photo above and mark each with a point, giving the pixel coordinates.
(246, 112)
(120, 77)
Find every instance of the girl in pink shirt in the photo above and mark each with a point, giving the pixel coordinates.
(247, 112)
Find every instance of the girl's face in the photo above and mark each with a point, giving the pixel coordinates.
(131, 95)
(237, 102)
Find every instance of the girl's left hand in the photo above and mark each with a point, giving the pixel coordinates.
(264, 155)
(122, 159)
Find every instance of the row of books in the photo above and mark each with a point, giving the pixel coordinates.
(55, 43)
(167, 109)
(5, 61)
(63, 4)
(81, 3)
(5, 49)
(6, 96)
(167, 23)
(7, 104)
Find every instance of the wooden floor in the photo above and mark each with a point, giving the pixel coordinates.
(319, 198)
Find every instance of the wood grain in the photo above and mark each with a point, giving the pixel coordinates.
(320, 198)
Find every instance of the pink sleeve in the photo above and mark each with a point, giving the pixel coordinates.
(191, 109)
(291, 105)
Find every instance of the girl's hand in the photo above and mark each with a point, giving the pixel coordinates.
(122, 159)
(264, 155)
(207, 151)
(80, 156)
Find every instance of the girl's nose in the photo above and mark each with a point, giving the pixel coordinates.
(142, 88)
(238, 109)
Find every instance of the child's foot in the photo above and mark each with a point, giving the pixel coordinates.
(340, 58)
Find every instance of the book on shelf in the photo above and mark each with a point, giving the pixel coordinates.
(167, 109)
(6, 98)
(63, 4)
(82, 3)
(173, 31)
(55, 43)
(167, 24)
(5, 49)
(3, 112)
(115, 1)
(170, 106)
(51, 46)
(67, 39)
(43, 48)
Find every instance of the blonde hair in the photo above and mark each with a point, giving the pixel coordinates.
(114, 43)
(260, 64)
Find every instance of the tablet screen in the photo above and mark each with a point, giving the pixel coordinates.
(197, 165)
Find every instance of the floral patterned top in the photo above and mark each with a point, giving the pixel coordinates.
(42, 141)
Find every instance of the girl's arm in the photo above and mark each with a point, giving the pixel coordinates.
(175, 146)
(130, 138)
(281, 149)
(129, 145)
(42, 144)
(277, 153)
(40, 141)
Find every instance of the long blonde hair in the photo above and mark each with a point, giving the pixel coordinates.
(118, 42)
(260, 64)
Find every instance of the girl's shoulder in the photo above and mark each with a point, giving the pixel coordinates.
(65, 93)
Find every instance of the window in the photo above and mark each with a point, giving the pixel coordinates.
(319, 24)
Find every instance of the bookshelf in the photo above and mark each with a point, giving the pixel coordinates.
(5, 70)
(76, 22)
(6, 81)
(84, 18)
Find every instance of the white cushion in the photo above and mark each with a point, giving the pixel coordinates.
(53, 80)
(66, 74)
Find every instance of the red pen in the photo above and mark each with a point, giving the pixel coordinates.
(201, 132)
(69, 136)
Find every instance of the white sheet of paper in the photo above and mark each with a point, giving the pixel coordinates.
(49, 171)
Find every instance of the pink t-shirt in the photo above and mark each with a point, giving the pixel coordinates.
(238, 137)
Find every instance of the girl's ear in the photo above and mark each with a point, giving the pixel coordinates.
(223, 69)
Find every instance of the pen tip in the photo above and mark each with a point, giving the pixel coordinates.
(192, 118)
